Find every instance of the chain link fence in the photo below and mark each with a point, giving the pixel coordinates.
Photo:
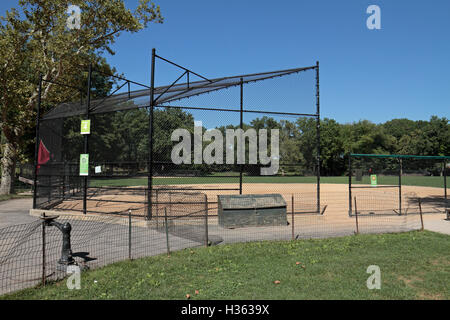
(30, 253)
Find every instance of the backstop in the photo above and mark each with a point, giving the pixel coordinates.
(112, 153)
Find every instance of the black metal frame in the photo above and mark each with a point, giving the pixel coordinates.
(87, 112)
(153, 103)
(400, 173)
(86, 138)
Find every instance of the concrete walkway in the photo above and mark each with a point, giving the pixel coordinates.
(442, 226)
(106, 240)
(15, 211)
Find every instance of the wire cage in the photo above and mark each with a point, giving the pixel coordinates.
(397, 184)
(129, 148)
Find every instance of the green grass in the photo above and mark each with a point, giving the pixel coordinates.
(414, 265)
(388, 180)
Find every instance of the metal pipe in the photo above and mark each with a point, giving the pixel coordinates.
(129, 234)
(373, 187)
(206, 221)
(201, 189)
(420, 211)
(177, 65)
(86, 138)
(157, 208)
(318, 135)
(292, 206)
(64, 182)
(170, 86)
(150, 138)
(284, 71)
(109, 96)
(121, 78)
(241, 125)
(44, 262)
(445, 185)
(356, 218)
(350, 211)
(36, 146)
(187, 78)
(238, 110)
(400, 169)
(167, 231)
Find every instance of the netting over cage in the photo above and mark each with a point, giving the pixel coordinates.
(133, 131)
(398, 184)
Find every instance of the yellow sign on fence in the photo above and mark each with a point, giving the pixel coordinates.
(85, 126)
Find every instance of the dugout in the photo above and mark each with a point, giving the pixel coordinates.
(381, 178)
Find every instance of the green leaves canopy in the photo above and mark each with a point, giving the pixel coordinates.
(36, 40)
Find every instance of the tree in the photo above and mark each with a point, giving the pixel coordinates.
(367, 137)
(331, 148)
(399, 127)
(420, 137)
(42, 43)
(307, 132)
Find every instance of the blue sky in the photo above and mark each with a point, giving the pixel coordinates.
(402, 70)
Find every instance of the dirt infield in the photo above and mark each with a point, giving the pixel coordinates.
(334, 199)
(377, 208)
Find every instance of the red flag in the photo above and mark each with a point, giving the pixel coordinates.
(43, 155)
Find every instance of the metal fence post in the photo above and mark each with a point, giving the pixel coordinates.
(318, 135)
(445, 185)
(167, 231)
(241, 126)
(206, 221)
(350, 210)
(292, 209)
(170, 203)
(420, 212)
(400, 169)
(150, 140)
(356, 217)
(43, 252)
(157, 208)
(64, 181)
(129, 234)
(36, 147)
(86, 138)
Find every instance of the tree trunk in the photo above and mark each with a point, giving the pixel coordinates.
(8, 168)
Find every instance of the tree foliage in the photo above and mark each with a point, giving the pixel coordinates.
(35, 39)
(297, 140)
